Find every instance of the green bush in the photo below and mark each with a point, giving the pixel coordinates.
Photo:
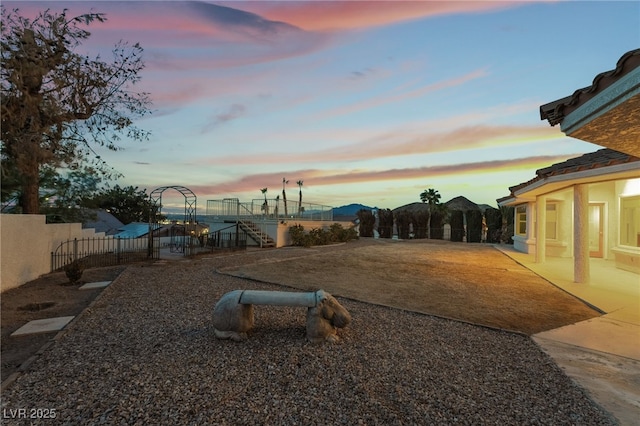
(298, 237)
(474, 226)
(437, 225)
(420, 224)
(336, 233)
(385, 223)
(367, 222)
(457, 225)
(494, 224)
(403, 222)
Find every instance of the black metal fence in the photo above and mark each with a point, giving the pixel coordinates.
(230, 238)
(102, 251)
(110, 251)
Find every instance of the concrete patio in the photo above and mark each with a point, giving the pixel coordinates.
(601, 354)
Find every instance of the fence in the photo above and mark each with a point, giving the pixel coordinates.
(102, 251)
(268, 209)
(109, 251)
(235, 239)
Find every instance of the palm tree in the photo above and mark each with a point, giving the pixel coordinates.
(431, 197)
(300, 198)
(284, 196)
(265, 206)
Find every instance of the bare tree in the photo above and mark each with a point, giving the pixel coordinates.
(57, 105)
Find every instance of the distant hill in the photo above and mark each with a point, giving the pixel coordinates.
(349, 211)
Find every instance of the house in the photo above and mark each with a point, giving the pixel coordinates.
(104, 222)
(588, 206)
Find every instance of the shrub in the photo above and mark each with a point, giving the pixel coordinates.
(494, 224)
(319, 236)
(403, 222)
(506, 232)
(74, 271)
(385, 223)
(457, 225)
(437, 225)
(298, 237)
(474, 226)
(420, 224)
(341, 234)
(367, 222)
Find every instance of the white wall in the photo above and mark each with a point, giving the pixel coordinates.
(26, 243)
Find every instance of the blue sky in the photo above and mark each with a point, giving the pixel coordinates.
(366, 102)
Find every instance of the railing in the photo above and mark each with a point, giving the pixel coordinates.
(102, 251)
(273, 209)
(235, 239)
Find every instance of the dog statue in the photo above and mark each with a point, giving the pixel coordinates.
(233, 314)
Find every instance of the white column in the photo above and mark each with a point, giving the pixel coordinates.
(531, 212)
(581, 273)
(541, 228)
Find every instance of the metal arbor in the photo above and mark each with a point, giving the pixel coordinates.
(182, 236)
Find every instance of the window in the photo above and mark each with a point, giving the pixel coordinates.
(630, 221)
(521, 220)
(552, 221)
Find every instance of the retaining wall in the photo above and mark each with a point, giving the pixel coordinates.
(26, 243)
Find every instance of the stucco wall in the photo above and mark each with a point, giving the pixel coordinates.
(26, 243)
(605, 193)
(563, 246)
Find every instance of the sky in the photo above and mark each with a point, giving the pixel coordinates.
(367, 102)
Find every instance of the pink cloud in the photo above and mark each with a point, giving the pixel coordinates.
(341, 15)
(317, 177)
(398, 143)
(201, 34)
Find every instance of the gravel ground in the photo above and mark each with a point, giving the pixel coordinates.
(144, 353)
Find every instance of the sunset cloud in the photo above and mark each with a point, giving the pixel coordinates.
(363, 100)
(400, 143)
(348, 15)
(318, 177)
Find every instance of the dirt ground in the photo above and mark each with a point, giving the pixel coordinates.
(46, 297)
(470, 282)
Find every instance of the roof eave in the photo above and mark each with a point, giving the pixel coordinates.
(556, 182)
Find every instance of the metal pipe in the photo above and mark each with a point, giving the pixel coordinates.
(279, 298)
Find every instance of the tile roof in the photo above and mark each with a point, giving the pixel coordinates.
(602, 158)
(557, 110)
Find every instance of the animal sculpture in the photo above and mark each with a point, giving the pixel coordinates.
(233, 315)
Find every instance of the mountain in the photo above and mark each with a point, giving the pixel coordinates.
(349, 210)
